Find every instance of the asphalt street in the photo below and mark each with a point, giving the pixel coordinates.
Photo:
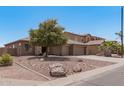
(113, 78)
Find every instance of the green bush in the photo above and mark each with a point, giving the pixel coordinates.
(5, 59)
(0, 59)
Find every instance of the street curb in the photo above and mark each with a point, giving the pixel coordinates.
(47, 78)
(81, 76)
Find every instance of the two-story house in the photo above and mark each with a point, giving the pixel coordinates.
(76, 45)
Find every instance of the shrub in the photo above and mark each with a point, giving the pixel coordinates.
(0, 59)
(6, 59)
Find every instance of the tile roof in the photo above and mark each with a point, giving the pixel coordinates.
(84, 35)
(23, 39)
(95, 42)
(75, 42)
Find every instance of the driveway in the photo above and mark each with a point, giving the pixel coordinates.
(100, 58)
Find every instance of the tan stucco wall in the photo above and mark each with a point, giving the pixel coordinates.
(81, 38)
(2, 50)
(92, 50)
(18, 48)
(38, 50)
(23, 51)
(73, 37)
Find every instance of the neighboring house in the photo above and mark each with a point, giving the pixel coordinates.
(76, 45)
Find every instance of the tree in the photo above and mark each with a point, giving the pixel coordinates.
(109, 47)
(47, 35)
(120, 50)
(118, 34)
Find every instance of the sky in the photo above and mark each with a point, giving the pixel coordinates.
(102, 21)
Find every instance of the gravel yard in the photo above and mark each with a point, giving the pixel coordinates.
(41, 65)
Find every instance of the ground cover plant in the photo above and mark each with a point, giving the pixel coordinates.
(6, 59)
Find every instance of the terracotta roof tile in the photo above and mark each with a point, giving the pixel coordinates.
(23, 39)
(95, 42)
(75, 42)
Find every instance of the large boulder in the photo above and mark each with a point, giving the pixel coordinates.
(107, 52)
(77, 68)
(57, 70)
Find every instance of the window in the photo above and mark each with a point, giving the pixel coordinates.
(26, 47)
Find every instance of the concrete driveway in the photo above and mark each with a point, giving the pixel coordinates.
(100, 58)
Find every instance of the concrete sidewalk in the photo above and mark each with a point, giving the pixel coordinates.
(18, 82)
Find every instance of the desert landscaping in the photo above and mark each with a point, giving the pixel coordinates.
(52, 53)
(38, 68)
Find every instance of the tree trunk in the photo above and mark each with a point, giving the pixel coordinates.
(46, 54)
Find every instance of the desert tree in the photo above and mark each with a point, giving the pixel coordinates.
(49, 34)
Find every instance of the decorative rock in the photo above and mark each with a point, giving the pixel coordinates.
(80, 60)
(91, 66)
(56, 65)
(57, 70)
(33, 65)
(41, 59)
(77, 68)
(107, 52)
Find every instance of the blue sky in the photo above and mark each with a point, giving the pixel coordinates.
(15, 22)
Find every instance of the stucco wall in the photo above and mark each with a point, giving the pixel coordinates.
(12, 51)
(24, 51)
(2, 50)
(73, 37)
(38, 50)
(18, 48)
